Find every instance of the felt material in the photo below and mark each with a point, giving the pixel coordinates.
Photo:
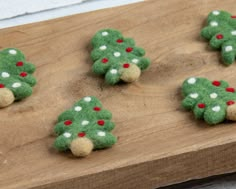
(208, 100)
(81, 146)
(131, 74)
(6, 97)
(221, 31)
(231, 112)
(111, 52)
(15, 73)
(86, 119)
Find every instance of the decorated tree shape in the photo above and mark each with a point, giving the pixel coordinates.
(16, 81)
(117, 57)
(84, 127)
(221, 31)
(212, 101)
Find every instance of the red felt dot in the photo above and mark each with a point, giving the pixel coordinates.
(201, 105)
(68, 122)
(23, 74)
(230, 102)
(229, 89)
(126, 65)
(19, 64)
(219, 36)
(1, 85)
(104, 60)
(129, 49)
(96, 109)
(119, 40)
(81, 134)
(233, 16)
(101, 122)
(216, 83)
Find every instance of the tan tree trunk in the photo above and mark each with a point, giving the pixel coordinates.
(6, 97)
(131, 74)
(81, 147)
(231, 112)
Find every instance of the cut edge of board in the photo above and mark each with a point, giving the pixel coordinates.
(207, 156)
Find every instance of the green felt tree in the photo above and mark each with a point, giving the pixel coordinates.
(221, 31)
(117, 57)
(212, 101)
(84, 127)
(16, 81)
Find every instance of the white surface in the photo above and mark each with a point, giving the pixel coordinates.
(18, 12)
(12, 8)
(219, 182)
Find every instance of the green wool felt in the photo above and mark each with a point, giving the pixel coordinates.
(88, 119)
(15, 73)
(208, 100)
(112, 54)
(221, 31)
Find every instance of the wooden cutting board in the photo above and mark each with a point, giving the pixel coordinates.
(159, 142)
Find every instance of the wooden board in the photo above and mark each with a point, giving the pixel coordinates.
(226, 181)
(159, 143)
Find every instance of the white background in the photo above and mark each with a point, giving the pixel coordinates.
(18, 12)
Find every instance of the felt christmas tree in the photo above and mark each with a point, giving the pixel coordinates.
(84, 127)
(212, 101)
(117, 57)
(16, 81)
(221, 31)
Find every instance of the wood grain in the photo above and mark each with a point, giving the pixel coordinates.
(159, 143)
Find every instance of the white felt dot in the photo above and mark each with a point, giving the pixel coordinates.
(101, 133)
(135, 60)
(78, 108)
(12, 51)
(192, 80)
(84, 122)
(214, 23)
(104, 33)
(193, 95)
(67, 135)
(216, 108)
(87, 98)
(113, 71)
(5, 74)
(16, 85)
(213, 95)
(233, 32)
(228, 48)
(216, 12)
(103, 47)
(116, 54)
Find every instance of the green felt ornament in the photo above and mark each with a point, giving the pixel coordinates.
(221, 31)
(212, 101)
(117, 57)
(84, 127)
(16, 80)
